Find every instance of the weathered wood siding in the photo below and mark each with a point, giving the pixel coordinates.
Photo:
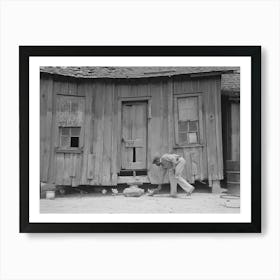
(99, 161)
(206, 161)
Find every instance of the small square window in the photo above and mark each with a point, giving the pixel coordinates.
(69, 137)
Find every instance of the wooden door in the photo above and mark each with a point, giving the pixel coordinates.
(134, 135)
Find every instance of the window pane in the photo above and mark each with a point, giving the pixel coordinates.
(188, 108)
(75, 142)
(193, 126)
(183, 126)
(75, 131)
(64, 141)
(192, 138)
(65, 131)
(183, 138)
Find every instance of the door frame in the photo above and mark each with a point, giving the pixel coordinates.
(122, 100)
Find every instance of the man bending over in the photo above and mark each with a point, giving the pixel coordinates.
(175, 165)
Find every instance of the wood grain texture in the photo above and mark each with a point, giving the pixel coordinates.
(100, 126)
(107, 135)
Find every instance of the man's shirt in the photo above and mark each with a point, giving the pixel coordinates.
(169, 161)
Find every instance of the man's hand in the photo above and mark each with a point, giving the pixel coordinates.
(154, 191)
(158, 187)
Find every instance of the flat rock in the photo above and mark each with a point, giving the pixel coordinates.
(133, 191)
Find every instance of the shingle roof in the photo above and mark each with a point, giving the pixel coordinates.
(231, 84)
(129, 72)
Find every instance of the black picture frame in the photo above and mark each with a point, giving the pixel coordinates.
(25, 52)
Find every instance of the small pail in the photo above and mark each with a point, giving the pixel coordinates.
(50, 194)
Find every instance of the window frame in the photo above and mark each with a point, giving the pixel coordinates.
(199, 95)
(60, 147)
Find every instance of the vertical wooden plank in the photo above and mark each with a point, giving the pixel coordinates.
(76, 170)
(126, 135)
(49, 121)
(72, 88)
(142, 89)
(170, 115)
(99, 113)
(107, 130)
(64, 89)
(201, 163)
(235, 129)
(195, 163)
(43, 115)
(54, 132)
(175, 108)
(140, 132)
(119, 140)
(59, 171)
(208, 131)
(95, 129)
(204, 100)
(86, 90)
(163, 122)
(115, 138)
(218, 113)
(201, 119)
(133, 85)
(90, 169)
(155, 141)
(73, 165)
(165, 138)
(211, 130)
(160, 116)
(46, 90)
(92, 137)
(149, 132)
(67, 170)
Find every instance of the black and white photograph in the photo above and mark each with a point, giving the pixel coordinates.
(139, 139)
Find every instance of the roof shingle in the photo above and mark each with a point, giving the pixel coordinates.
(129, 72)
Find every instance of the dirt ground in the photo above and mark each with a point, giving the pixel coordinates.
(161, 203)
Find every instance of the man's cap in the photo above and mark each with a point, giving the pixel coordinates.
(155, 159)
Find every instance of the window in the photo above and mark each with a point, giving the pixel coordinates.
(187, 120)
(70, 137)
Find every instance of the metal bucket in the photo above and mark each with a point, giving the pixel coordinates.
(50, 194)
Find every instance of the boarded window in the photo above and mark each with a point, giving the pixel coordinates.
(69, 137)
(188, 120)
(70, 111)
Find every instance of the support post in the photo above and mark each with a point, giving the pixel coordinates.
(216, 186)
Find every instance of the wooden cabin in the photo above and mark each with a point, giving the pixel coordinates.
(104, 125)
